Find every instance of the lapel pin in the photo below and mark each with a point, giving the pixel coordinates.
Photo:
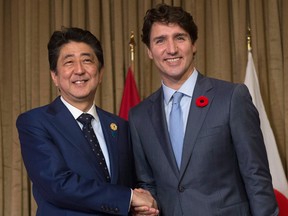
(113, 126)
(202, 101)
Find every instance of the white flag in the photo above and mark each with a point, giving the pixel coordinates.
(279, 180)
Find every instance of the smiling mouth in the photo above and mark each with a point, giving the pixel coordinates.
(172, 59)
(80, 81)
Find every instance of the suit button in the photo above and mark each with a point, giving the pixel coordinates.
(181, 188)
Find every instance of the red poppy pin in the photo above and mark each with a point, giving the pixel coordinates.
(202, 101)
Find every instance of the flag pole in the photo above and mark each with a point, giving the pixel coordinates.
(132, 45)
(249, 47)
(130, 96)
(249, 42)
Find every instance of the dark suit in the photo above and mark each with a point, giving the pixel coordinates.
(224, 169)
(65, 175)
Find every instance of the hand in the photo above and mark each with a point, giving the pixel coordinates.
(143, 203)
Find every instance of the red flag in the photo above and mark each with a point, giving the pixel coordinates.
(279, 179)
(130, 96)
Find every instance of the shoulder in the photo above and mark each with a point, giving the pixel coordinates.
(217, 82)
(39, 112)
(156, 96)
(103, 114)
(223, 85)
(35, 113)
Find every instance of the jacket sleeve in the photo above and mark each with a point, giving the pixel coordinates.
(251, 153)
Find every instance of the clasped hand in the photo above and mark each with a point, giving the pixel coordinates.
(143, 203)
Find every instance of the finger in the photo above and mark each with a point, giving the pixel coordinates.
(141, 209)
(141, 190)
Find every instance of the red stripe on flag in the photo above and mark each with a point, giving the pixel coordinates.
(282, 203)
(130, 96)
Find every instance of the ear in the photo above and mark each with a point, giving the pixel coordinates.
(101, 72)
(194, 48)
(54, 77)
(149, 53)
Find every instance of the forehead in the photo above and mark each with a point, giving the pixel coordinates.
(163, 29)
(75, 49)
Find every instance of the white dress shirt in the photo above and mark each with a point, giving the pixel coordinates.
(96, 127)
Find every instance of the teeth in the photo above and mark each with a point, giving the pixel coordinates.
(79, 81)
(173, 60)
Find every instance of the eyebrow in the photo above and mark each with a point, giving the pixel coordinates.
(159, 37)
(180, 34)
(174, 36)
(72, 55)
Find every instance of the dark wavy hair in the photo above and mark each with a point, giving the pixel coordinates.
(66, 35)
(168, 14)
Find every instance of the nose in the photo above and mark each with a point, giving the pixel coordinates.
(172, 47)
(79, 69)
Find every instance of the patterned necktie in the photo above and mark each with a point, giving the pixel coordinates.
(89, 134)
(176, 129)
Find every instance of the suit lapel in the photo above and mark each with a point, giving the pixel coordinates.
(196, 118)
(67, 126)
(111, 136)
(157, 114)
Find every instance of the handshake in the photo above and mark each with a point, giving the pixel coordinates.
(143, 203)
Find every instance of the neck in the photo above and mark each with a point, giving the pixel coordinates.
(83, 105)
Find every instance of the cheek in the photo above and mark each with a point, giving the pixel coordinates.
(62, 81)
(157, 53)
(189, 53)
(64, 77)
(98, 74)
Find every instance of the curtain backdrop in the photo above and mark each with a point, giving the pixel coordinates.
(25, 28)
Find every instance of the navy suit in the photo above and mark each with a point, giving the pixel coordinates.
(64, 172)
(224, 169)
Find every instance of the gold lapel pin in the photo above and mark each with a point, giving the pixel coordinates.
(113, 126)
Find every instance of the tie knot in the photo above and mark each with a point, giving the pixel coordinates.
(85, 118)
(177, 96)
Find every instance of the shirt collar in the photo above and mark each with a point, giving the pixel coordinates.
(187, 87)
(76, 112)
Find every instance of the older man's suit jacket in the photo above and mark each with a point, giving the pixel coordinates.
(65, 175)
(224, 169)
